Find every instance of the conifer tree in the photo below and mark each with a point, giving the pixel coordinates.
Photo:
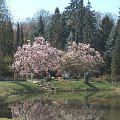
(17, 39)
(90, 28)
(21, 35)
(10, 39)
(40, 30)
(64, 32)
(115, 64)
(104, 33)
(75, 12)
(56, 29)
(110, 43)
(4, 25)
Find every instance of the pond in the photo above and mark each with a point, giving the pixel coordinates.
(63, 106)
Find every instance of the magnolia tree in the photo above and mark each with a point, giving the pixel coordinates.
(79, 59)
(34, 59)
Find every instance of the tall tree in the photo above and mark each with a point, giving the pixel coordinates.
(115, 64)
(75, 12)
(21, 35)
(64, 32)
(104, 31)
(40, 30)
(110, 46)
(90, 28)
(17, 39)
(4, 23)
(56, 29)
(9, 39)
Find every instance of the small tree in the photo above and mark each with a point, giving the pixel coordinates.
(30, 60)
(80, 59)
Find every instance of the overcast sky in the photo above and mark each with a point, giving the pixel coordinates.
(22, 9)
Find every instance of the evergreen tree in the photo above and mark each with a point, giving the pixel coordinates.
(80, 22)
(115, 65)
(40, 30)
(6, 37)
(17, 39)
(56, 29)
(4, 20)
(90, 28)
(64, 32)
(104, 32)
(9, 39)
(21, 35)
(75, 12)
(110, 46)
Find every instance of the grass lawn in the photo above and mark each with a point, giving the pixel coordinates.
(8, 119)
(73, 85)
(9, 88)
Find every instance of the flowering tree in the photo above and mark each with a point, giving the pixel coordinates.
(80, 58)
(31, 59)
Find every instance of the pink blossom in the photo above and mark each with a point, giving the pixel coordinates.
(80, 58)
(41, 56)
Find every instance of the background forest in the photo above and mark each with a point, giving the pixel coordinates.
(76, 23)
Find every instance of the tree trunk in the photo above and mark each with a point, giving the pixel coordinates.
(32, 75)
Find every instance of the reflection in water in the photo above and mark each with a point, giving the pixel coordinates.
(52, 110)
(5, 111)
(64, 106)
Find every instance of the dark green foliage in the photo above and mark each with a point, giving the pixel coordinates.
(81, 23)
(64, 32)
(90, 28)
(7, 48)
(75, 13)
(40, 30)
(115, 65)
(109, 47)
(7, 38)
(105, 29)
(19, 40)
(55, 27)
(6, 62)
(21, 36)
(6, 35)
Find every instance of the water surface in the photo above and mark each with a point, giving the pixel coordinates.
(63, 106)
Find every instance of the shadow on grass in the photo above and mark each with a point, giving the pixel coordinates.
(27, 87)
(91, 86)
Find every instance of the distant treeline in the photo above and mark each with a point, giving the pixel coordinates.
(76, 23)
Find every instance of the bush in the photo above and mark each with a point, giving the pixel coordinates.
(47, 78)
(116, 78)
(107, 78)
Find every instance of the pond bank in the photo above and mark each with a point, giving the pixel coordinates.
(79, 85)
(11, 88)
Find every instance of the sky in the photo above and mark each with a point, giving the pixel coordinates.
(22, 9)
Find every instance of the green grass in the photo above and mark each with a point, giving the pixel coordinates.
(9, 119)
(73, 85)
(9, 88)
